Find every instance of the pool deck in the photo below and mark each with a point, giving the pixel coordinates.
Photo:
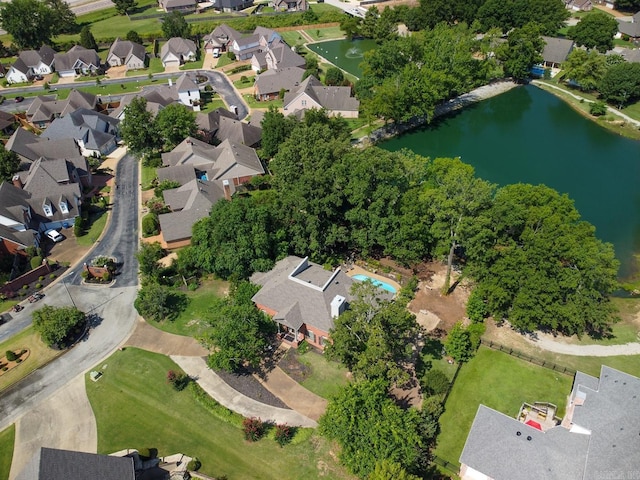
(356, 270)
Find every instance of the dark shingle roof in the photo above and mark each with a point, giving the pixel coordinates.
(67, 61)
(272, 81)
(53, 464)
(238, 132)
(630, 28)
(330, 98)
(556, 49)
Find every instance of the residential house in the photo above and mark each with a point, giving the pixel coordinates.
(130, 54)
(579, 5)
(206, 175)
(221, 38)
(54, 464)
(208, 123)
(245, 47)
(77, 61)
(176, 51)
(46, 108)
(231, 5)
(189, 203)
(596, 439)
(157, 99)
(269, 84)
(630, 55)
(278, 56)
(238, 132)
(13, 242)
(556, 50)
(630, 29)
(183, 6)
(313, 94)
(188, 92)
(30, 63)
(267, 37)
(95, 133)
(303, 299)
(30, 147)
(289, 5)
(7, 122)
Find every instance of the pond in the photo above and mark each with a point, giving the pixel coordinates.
(528, 135)
(346, 54)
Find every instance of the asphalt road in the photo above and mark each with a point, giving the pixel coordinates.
(112, 307)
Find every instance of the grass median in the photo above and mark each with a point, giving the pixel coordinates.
(135, 407)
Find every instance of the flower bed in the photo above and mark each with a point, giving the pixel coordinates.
(18, 357)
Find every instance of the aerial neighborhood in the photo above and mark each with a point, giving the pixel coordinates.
(295, 239)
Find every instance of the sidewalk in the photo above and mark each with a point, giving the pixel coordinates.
(149, 338)
(196, 367)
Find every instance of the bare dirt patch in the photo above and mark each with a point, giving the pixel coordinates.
(293, 367)
(431, 307)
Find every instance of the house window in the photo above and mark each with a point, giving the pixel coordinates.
(311, 336)
(304, 103)
(47, 210)
(63, 207)
(323, 341)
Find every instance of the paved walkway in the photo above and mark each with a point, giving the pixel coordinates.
(65, 421)
(196, 367)
(293, 394)
(612, 110)
(546, 342)
(147, 337)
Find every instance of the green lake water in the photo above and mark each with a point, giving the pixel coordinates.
(528, 135)
(347, 55)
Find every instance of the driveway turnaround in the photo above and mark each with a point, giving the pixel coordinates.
(147, 337)
(65, 421)
(196, 367)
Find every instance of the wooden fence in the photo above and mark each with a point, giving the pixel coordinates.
(523, 356)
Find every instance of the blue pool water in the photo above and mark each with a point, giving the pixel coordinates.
(376, 282)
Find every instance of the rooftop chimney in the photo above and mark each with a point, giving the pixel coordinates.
(170, 83)
(17, 182)
(338, 305)
(227, 189)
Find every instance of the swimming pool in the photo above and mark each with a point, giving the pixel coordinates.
(376, 282)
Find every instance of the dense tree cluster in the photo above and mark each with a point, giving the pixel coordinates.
(54, 324)
(33, 23)
(328, 200)
(595, 30)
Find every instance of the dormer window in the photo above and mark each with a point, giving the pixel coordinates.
(46, 206)
(64, 207)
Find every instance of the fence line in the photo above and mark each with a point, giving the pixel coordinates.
(455, 469)
(528, 358)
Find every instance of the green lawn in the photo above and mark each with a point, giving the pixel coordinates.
(324, 33)
(7, 437)
(97, 222)
(292, 38)
(147, 174)
(244, 84)
(327, 377)
(197, 65)
(155, 66)
(253, 103)
(499, 381)
(135, 407)
(223, 61)
(210, 103)
(188, 323)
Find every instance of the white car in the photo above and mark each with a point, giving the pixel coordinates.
(216, 52)
(54, 235)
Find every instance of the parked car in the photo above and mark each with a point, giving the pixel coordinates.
(17, 307)
(216, 52)
(54, 235)
(19, 99)
(38, 77)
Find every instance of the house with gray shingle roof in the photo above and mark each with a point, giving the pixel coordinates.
(183, 6)
(268, 85)
(95, 133)
(208, 123)
(231, 5)
(30, 63)
(556, 50)
(579, 5)
(289, 5)
(30, 147)
(598, 438)
(127, 53)
(188, 92)
(54, 464)
(77, 61)
(631, 29)
(238, 132)
(221, 38)
(313, 94)
(46, 108)
(303, 299)
(176, 51)
(157, 99)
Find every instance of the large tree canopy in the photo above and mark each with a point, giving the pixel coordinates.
(175, 25)
(31, 23)
(9, 163)
(548, 15)
(586, 68)
(137, 128)
(173, 124)
(541, 267)
(521, 52)
(595, 30)
(621, 84)
(55, 323)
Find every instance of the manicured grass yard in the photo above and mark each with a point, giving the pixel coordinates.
(39, 355)
(499, 381)
(325, 33)
(155, 66)
(7, 437)
(97, 222)
(253, 103)
(197, 65)
(244, 84)
(292, 38)
(326, 377)
(188, 323)
(147, 175)
(135, 407)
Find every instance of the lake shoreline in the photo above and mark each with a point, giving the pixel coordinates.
(476, 95)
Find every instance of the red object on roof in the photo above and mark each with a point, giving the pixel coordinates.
(534, 424)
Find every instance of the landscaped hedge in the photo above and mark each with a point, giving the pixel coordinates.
(150, 225)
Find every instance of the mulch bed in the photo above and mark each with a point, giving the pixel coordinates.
(248, 385)
(292, 366)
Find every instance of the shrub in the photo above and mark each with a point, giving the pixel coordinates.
(150, 225)
(178, 380)
(4, 369)
(434, 382)
(598, 109)
(284, 434)
(23, 351)
(52, 276)
(208, 88)
(85, 274)
(253, 429)
(78, 226)
(38, 285)
(41, 277)
(11, 355)
(36, 262)
(476, 308)
(18, 360)
(303, 347)
(147, 453)
(106, 277)
(25, 287)
(231, 55)
(194, 465)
